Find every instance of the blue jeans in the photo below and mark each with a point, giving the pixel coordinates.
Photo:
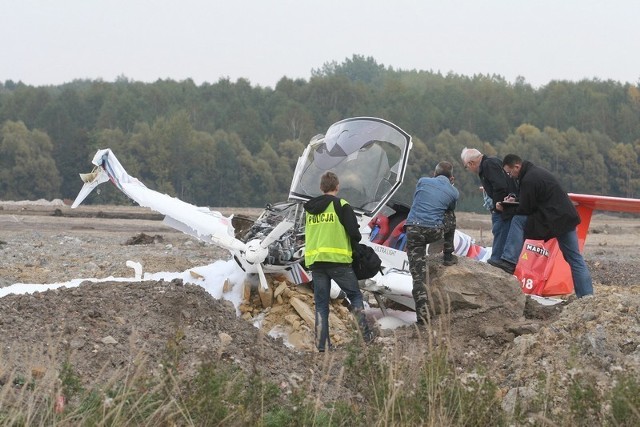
(514, 239)
(582, 283)
(500, 229)
(344, 276)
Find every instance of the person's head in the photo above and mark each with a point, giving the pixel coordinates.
(471, 159)
(444, 168)
(512, 164)
(329, 182)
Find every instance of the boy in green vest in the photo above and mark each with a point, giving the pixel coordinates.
(331, 233)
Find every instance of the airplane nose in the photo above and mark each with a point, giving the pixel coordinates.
(255, 253)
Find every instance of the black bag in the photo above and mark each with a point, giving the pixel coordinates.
(366, 262)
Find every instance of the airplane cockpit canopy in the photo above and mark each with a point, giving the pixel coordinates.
(368, 154)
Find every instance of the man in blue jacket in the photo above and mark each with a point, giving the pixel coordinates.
(331, 234)
(426, 224)
(550, 214)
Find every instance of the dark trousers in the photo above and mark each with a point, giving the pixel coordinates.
(344, 276)
(417, 240)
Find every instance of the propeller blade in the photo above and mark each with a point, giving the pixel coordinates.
(275, 234)
(263, 278)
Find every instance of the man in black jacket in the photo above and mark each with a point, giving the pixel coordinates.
(506, 228)
(551, 214)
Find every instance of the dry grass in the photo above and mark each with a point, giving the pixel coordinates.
(389, 389)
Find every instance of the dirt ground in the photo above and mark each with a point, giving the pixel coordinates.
(107, 326)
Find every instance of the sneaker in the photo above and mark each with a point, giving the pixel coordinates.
(449, 259)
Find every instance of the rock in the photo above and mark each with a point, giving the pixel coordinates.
(37, 372)
(303, 310)
(280, 289)
(225, 339)
(196, 275)
(474, 285)
(109, 340)
(518, 396)
(77, 343)
(144, 239)
(227, 286)
(523, 328)
(490, 331)
(266, 295)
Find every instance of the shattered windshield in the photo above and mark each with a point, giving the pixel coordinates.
(368, 155)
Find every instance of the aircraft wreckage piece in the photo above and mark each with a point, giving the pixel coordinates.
(207, 225)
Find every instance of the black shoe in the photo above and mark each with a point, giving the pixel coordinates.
(449, 259)
(492, 262)
(369, 337)
(421, 321)
(503, 265)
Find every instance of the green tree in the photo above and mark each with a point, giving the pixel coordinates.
(279, 174)
(589, 116)
(290, 151)
(356, 68)
(232, 187)
(27, 168)
(624, 170)
(293, 121)
(202, 172)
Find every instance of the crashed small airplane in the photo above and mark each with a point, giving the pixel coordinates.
(370, 156)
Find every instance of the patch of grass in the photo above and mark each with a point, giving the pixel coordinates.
(215, 394)
(70, 382)
(427, 390)
(584, 401)
(384, 388)
(625, 402)
(222, 394)
(174, 349)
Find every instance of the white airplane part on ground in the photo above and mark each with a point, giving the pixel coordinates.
(209, 226)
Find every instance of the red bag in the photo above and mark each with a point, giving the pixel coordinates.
(542, 269)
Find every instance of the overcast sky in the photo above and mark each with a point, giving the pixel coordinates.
(56, 41)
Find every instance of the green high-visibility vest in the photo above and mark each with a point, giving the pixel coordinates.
(325, 238)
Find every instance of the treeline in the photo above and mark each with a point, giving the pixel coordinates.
(234, 144)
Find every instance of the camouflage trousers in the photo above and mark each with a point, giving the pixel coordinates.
(417, 240)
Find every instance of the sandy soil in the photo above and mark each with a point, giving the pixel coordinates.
(102, 328)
